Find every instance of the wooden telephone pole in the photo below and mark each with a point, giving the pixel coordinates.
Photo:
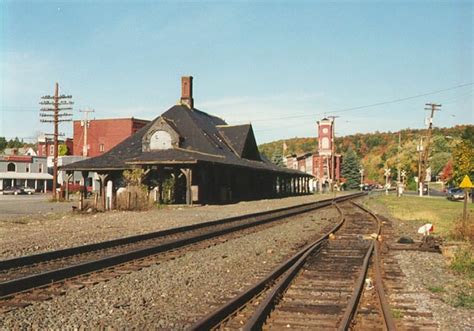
(85, 124)
(52, 112)
(332, 176)
(426, 149)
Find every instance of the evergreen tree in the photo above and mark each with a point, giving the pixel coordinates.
(350, 169)
(277, 159)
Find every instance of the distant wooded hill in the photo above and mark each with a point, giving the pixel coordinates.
(380, 149)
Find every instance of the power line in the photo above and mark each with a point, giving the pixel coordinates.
(367, 106)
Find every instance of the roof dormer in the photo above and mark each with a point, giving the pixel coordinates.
(160, 136)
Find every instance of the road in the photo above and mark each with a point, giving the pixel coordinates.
(12, 206)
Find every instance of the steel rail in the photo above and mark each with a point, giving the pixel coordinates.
(289, 266)
(385, 306)
(260, 315)
(57, 254)
(292, 267)
(37, 280)
(353, 304)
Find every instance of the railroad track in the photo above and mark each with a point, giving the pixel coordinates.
(405, 301)
(37, 277)
(319, 288)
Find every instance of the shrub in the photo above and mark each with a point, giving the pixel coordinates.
(464, 231)
(133, 198)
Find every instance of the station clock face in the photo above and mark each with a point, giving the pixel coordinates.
(160, 140)
(325, 130)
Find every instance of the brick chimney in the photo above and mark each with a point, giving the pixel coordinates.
(187, 91)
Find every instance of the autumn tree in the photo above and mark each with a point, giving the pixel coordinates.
(463, 157)
(447, 172)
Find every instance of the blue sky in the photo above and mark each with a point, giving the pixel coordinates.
(280, 65)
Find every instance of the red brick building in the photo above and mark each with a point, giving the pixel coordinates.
(103, 134)
(325, 164)
(46, 146)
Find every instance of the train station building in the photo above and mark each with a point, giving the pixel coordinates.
(208, 160)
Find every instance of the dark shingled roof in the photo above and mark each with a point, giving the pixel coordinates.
(242, 140)
(203, 138)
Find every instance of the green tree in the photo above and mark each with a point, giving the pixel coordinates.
(440, 144)
(62, 150)
(3, 143)
(133, 177)
(350, 169)
(15, 143)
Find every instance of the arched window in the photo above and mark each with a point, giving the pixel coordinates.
(325, 143)
(11, 167)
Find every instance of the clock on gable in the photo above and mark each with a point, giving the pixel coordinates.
(160, 140)
(160, 136)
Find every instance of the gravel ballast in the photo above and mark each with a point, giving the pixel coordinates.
(40, 233)
(175, 293)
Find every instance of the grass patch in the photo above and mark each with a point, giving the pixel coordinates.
(464, 300)
(397, 313)
(444, 214)
(436, 289)
(463, 262)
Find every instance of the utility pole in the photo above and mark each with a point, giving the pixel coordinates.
(56, 105)
(85, 123)
(332, 176)
(399, 182)
(419, 149)
(426, 150)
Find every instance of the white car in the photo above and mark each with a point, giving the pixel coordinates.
(29, 190)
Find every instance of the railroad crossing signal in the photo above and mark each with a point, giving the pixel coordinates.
(387, 175)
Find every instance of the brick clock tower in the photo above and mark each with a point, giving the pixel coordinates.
(325, 137)
(328, 162)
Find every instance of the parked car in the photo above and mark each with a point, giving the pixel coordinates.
(455, 194)
(29, 190)
(13, 190)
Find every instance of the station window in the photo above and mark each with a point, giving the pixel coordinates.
(101, 148)
(11, 167)
(40, 167)
(27, 168)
